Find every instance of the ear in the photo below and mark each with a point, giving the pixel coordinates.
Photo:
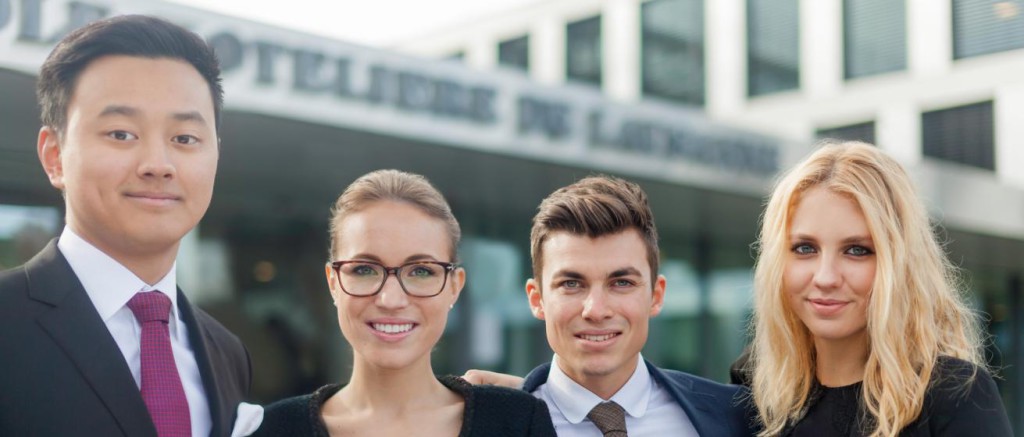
(332, 283)
(658, 298)
(533, 294)
(458, 281)
(49, 150)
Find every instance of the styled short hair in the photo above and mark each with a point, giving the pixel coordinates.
(126, 35)
(395, 186)
(916, 312)
(594, 206)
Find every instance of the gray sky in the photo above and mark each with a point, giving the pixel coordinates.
(377, 23)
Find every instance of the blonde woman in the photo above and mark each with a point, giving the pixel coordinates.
(393, 276)
(860, 327)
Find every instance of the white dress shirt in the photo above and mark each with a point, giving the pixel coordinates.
(650, 409)
(110, 286)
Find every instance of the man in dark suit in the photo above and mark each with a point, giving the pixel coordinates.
(595, 285)
(96, 339)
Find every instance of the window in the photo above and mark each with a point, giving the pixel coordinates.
(773, 46)
(854, 132)
(672, 50)
(964, 134)
(875, 39)
(985, 26)
(583, 50)
(515, 53)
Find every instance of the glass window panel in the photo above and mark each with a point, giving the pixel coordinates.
(964, 134)
(875, 37)
(515, 53)
(773, 44)
(583, 50)
(672, 50)
(987, 26)
(855, 132)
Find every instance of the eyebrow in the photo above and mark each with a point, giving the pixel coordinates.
(189, 116)
(408, 259)
(625, 271)
(128, 111)
(863, 239)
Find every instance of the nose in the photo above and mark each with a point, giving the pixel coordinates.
(156, 161)
(828, 275)
(597, 307)
(391, 295)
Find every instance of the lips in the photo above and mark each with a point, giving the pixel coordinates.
(153, 197)
(391, 329)
(598, 337)
(827, 307)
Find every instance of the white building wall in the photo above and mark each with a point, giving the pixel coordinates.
(894, 101)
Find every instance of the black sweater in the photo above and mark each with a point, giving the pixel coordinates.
(490, 411)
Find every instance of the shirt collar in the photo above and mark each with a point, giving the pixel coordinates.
(109, 284)
(575, 401)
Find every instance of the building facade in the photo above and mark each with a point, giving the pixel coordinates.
(702, 103)
(936, 83)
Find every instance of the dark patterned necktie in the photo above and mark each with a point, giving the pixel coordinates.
(161, 386)
(610, 418)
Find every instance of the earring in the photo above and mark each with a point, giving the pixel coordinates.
(451, 306)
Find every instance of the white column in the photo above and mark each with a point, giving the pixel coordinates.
(547, 50)
(898, 131)
(482, 53)
(1009, 136)
(929, 37)
(821, 47)
(725, 57)
(620, 62)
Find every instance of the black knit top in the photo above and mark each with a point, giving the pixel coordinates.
(490, 411)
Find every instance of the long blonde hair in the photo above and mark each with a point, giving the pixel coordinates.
(917, 310)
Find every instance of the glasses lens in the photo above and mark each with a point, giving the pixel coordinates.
(360, 278)
(423, 279)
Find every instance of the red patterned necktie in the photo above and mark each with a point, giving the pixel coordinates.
(161, 385)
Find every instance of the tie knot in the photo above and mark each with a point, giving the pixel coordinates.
(150, 306)
(610, 418)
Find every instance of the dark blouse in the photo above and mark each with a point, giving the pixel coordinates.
(961, 401)
(490, 411)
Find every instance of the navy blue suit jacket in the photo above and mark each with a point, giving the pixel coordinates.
(715, 409)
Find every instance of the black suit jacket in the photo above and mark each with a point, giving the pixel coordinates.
(61, 373)
(715, 409)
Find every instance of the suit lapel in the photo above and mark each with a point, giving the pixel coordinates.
(76, 327)
(692, 402)
(536, 377)
(198, 340)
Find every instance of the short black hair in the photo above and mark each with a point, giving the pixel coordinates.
(128, 35)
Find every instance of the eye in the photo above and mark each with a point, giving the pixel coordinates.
(361, 270)
(185, 139)
(623, 283)
(571, 284)
(422, 270)
(803, 249)
(858, 251)
(121, 135)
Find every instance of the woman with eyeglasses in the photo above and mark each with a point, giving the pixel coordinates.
(860, 326)
(394, 277)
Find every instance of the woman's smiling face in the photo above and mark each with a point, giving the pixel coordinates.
(830, 270)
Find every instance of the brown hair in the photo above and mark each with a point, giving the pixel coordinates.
(595, 206)
(397, 186)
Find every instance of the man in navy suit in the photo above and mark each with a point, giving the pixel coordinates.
(96, 339)
(595, 285)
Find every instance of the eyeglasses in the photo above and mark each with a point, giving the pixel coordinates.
(366, 278)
